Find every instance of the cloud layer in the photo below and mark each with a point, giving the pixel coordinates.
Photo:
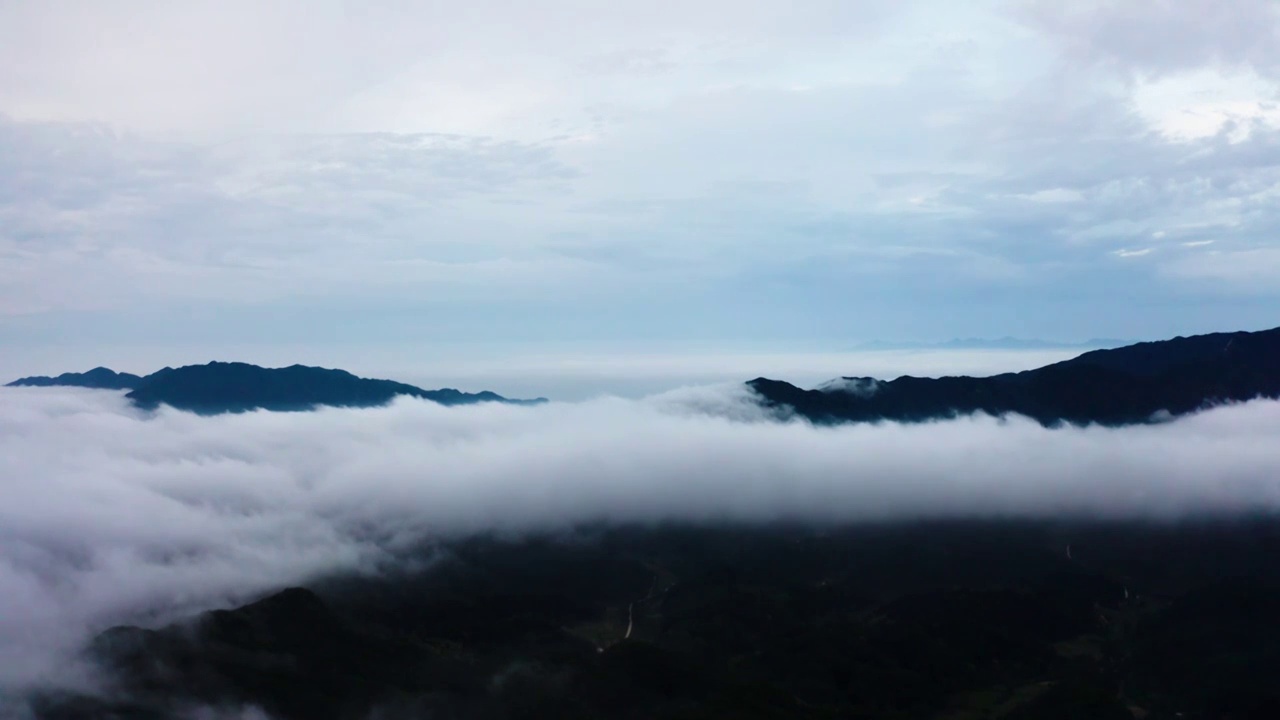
(108, 515)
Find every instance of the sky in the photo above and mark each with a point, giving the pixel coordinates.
(112, 515)
(502, 180)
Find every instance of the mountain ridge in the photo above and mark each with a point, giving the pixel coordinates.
(977, 619)
(101, 378)
(227, 387)
(1134, 384)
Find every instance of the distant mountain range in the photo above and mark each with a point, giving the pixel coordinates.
(222, 387)
(1004, 343)
(1139, 383)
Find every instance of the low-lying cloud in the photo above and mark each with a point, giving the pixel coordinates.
(111, 515)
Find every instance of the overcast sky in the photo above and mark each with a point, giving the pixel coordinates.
(717, 173)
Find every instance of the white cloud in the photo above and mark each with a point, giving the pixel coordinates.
(1054, 195)
(1202, 104)
(1127, 253)
(110, 516)
(862, 387)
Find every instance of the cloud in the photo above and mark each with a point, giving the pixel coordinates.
(1208, 103)
(108, 515)
(100, 220)
(695, 168)
(1160, 37)
(1053, 195)
(1252, 270)
(1127, 253)
(290, 66)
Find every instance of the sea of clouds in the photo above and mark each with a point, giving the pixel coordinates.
(110, 515)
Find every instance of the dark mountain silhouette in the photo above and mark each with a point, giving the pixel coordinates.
(221, 387)
(880, 622)
(1134, 384)
(100, 378)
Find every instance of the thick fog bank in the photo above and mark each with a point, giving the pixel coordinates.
(111, 515)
